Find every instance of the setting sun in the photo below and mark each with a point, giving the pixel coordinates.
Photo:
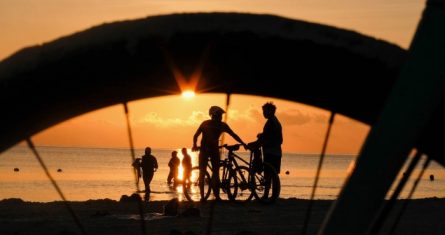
(188, 94)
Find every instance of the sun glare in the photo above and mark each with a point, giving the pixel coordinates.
(180, 172)
(188, 94)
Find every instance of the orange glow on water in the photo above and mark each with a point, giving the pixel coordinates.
(180, 171)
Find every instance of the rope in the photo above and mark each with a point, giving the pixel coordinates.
(130, 138)
(392, 201)
(54, 183)
(405, 205)
(317, 176)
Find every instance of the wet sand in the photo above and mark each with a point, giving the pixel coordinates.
(286, 216)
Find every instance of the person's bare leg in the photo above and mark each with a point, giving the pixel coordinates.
(267, 183)
(215, 178)
(201, 183)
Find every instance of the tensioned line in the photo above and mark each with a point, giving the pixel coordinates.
(404, 205)
(130, 138)
(54, 183)
(317, 176)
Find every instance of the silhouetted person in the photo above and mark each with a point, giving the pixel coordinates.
(149, 165)
(270, 140)
(211, 130)
(173, 164)
(431, 177)
(186, 165)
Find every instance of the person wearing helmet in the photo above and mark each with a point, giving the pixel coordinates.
(211, 130)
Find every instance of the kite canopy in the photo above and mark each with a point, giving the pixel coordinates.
(265, 55)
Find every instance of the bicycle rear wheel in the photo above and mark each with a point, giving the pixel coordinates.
(264, 191)
(191, 188)
(245, 191)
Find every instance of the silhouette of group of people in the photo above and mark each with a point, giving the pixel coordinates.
(269, 140)
(173, 164)
(148, 165)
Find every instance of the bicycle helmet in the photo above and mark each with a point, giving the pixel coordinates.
(216, 110)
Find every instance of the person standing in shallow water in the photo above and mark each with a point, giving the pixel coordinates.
(186, 165)
(211, 130)
(173, 164)
(149, 165)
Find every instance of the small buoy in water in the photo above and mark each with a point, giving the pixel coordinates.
(287, 172)
(59, 170)
(16, 169)
(431, 177)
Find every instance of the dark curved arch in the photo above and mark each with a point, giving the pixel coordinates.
(265, 55)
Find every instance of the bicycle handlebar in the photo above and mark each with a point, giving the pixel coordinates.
(234, 147)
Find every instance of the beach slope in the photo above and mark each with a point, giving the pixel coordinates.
(286, 216)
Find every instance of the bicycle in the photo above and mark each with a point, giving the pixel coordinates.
(251, 177)
(227, 183)
(237, 181)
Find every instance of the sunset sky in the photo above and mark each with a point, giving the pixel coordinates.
(169, 122)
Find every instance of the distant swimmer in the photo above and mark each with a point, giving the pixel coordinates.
(16, 169)
(59, 170)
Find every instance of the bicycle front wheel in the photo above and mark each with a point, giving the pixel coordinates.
(191, 187)
(266, 185)
(245, 189)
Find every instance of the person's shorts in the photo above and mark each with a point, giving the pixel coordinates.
(204, 156)
(274, 161)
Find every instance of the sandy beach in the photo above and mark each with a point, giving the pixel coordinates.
(286, 216)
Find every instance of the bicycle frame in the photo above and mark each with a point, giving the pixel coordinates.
(236, 173)
(232, 158)
(255, 181)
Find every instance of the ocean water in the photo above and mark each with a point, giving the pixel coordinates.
(97, 173)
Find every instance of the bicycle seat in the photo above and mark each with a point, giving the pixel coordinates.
(234, 147)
